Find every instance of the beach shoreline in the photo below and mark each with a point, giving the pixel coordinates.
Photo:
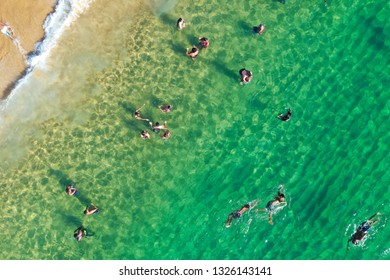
(26, 19)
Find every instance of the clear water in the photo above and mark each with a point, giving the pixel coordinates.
(71, 121)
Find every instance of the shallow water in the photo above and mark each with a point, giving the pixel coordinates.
(71, 121)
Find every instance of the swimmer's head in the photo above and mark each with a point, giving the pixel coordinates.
(85, 211)
(193, 50)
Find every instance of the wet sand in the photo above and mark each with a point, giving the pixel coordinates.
(26, 18)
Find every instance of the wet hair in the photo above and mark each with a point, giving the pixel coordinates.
(157, 123)
(85, 211)
(168, 106)
(179, 20)
(194, 49)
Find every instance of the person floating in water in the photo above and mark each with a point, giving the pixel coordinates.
(246, 76)
(362, 230)
(166, 135)
(193, 53)
(285, 117)
(7, 30)
(137, 114)
(145, 134)
(71, 190)
(181, 23)
(80, 233)
(89, 211)
(236, 214)
(165, 108)
(204, 42)
(272, 205)
(259, 29)
(158, 126)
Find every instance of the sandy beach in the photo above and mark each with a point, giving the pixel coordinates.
(26, 19)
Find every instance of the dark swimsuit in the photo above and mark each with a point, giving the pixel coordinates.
(237, 214)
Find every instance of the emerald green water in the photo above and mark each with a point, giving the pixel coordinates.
(170, 199)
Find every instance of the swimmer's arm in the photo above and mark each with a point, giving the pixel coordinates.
(140, 108)
(253, 205)
(372, 217)
(348, 244)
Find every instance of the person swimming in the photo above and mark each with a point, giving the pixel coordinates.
(236, 214)
(259, 29)
(165, 108)
(166, 135)
(193, 53)
(274, 204)
(285, 117)
(158, 126)
(90, 211)
(80, 233)
(180, 23)
(204, 42)
(246, 75)
(71, 190)
(145, 134)
(362, 230)
(137, 114)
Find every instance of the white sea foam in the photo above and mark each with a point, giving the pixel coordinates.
(65, 13)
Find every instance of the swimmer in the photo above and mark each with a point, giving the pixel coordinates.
(137, 114)
(193, 53)
(181, 23)
(362, 230)
(166, 135)
(246, 76)
(260, 29)
(204, 42)
(145, 135)
(158, 126)
(286, 117)
(165, 108)
(238, 213)
(70, 190)
(80, 232)
(90, 211)
(279, 200)
(6, 30)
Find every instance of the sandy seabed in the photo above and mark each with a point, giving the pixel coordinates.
(26, 18)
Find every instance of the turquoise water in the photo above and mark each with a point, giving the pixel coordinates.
(71, 121)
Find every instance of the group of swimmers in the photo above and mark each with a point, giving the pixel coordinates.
(246, 75)
(280, 201)
(277, 203)
(203, 42)
(157, 127)
(91, 209)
